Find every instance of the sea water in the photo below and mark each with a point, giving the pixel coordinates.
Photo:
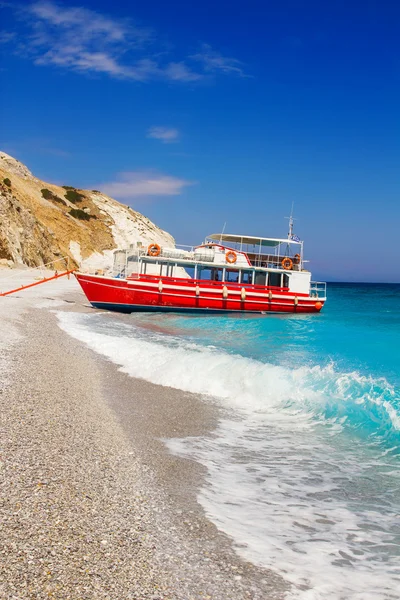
(303, 469)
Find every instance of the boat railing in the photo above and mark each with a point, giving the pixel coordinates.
(184, 247)
(267, 261)
(318, 289)
(182, 253)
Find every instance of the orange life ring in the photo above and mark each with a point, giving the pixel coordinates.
(231, 257)
(154, 250)
(287, 263)
(297, 259)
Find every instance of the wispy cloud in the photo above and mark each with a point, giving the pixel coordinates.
(167, 135)
(82, 39)
(6, 36)
(140, 184)
(178, 71)
(89, 42)
(214, 62)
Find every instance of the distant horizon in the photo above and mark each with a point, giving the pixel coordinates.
(197, 121)
(364, 282)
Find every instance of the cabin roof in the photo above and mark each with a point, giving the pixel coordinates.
(248, 239)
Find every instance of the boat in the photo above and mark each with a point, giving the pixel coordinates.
(227, 273)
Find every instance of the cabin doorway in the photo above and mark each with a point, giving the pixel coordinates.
(261, 278)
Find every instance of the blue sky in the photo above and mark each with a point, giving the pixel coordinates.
(200, 113)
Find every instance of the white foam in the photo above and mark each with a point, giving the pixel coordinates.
(239, 382)
(319, 509)
(295, 504)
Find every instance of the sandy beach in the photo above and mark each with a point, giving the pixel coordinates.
(93, 505)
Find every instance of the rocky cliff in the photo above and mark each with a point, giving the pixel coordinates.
(41, 222)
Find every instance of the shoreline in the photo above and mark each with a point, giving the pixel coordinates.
(97, 431)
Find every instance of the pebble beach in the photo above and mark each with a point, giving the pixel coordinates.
(92, 503)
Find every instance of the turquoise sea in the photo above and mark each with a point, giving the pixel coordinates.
(303, 470)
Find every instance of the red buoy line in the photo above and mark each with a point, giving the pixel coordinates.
(25, 287)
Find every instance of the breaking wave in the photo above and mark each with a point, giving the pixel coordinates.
(302, 470)
(370, 406)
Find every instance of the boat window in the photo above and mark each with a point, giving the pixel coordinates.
(190, 271)
(210, 274)
(164, 268)
(285, 282)
(204, 273)
(246, 277)
(217, 274)
(261, 278)
(274, 279)
(232, 275)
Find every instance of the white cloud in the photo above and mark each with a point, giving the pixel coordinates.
(73, 20)
(6, 36)
(214, 62)
(84, 40)
(136, 184)
(87, 41)
(167, 135)
(180, 72)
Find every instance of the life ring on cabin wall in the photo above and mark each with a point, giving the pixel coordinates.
(154, 250)
(231, 257)
(297, 259)
(287, 264)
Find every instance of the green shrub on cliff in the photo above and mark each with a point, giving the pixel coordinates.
(74, 196)
(59, 200)
(7, 182)
(48, 195)
(77, 213)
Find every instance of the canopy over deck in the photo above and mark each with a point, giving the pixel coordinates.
(246, 239)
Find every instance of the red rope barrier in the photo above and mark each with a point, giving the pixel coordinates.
(25, 287)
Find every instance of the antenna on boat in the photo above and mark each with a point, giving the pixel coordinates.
(291, 223)
(223, 231)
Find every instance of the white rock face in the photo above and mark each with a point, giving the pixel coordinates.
(98, 261)
(14, 166)
(130, 227)
(75, 249)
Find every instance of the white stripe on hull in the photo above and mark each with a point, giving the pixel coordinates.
(263, 297)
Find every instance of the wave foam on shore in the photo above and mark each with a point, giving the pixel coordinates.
(295, 471)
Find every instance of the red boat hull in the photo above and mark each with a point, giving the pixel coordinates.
(152, 293)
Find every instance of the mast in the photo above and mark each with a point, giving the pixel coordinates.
(295, 238)
(223, 231)
(291, 223)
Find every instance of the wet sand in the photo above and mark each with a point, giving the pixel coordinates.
(94, 506)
